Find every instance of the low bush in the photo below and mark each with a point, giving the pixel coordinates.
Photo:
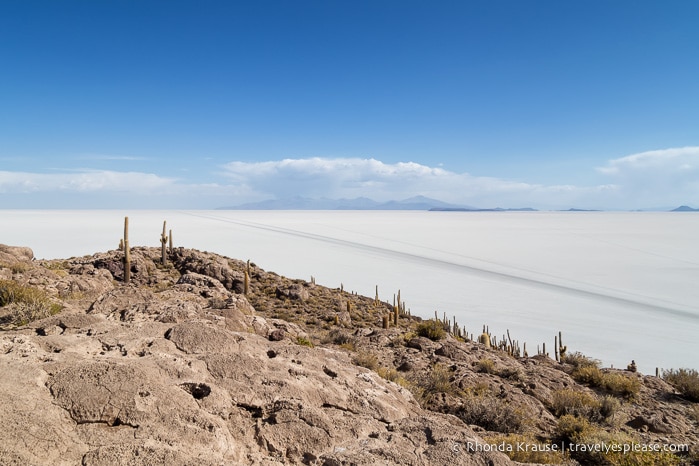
(510, 373)
(23, 304)
(685, 381)
(614, 383)
(485, 366)
(493, 414)
(621, 385)
(366, 359)
(609, 406)
(15, 267)
(304, 342)
(437, 380)
(339, 337)
(588, 375)
(393, 376)
(579, 360)
(432, 329)
(571, 428)
(577, 403)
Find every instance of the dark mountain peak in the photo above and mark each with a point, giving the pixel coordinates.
(684, 208)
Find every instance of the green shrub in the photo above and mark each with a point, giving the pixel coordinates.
(685, 381)
(304, 342)
(432, 329)
(24, 304)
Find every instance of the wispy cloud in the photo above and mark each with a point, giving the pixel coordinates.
(108, 157)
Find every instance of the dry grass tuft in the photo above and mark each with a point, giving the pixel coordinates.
(23, 304)
(685, 381)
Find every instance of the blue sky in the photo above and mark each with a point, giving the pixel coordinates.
(183, 104)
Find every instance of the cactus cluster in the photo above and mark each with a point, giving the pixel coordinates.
(165, 243)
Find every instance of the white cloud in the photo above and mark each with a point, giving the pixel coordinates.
(87, 188)
(658, 178)
(82, 181)
(662, 178)
(666, 160)
(355, 177)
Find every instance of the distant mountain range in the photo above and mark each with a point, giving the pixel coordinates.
(412, 203)
(364, 203)
(359, 203)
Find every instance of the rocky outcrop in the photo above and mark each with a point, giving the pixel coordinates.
(180, 367)
(141, 393)
(12, 254)
(191, 375)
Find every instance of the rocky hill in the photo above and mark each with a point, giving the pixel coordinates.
(211, 360)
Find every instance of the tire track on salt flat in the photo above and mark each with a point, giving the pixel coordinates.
(605, 294)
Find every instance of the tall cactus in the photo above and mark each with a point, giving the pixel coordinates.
(127, 252)
(163, 242)
(561, 347)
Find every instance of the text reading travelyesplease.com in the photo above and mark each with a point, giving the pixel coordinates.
(572, 447)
